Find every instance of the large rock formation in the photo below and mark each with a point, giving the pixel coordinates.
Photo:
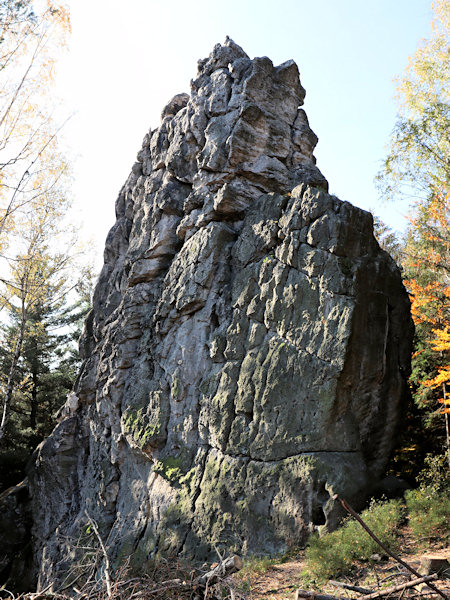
(248, 348)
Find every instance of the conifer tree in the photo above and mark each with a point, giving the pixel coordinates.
(38, 353)
(34, 199)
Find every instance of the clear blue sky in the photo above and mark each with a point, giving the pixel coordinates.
(128, 59)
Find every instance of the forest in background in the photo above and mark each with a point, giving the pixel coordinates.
(418, 166)
(45, 279)
(45, 285)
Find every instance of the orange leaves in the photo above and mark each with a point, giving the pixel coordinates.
(60, 14)
(446, 402)
(431, 305)
(428, 265)
(430, 302)
(439, 208)
(442, 341)
(442, 377)
(418, 166)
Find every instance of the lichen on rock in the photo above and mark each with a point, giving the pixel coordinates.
(248, 350)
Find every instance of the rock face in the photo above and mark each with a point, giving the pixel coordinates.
(247, 352)
(15, 535)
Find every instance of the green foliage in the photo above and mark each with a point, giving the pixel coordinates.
(45, 370)
(429, 505)
(420, 146)
(419, 434)
(255, 565)
(425, 263)
(435, 474)
(19, 10)
(418, 167)
(428, 512)
(390, 241)
(12, 466)
(427, 269)
(334, 553)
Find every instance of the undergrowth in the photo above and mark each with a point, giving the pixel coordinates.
(334, 553)
(254, 566)
(426, 509)
(429, 512)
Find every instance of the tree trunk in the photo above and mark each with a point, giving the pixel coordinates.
(34, 401)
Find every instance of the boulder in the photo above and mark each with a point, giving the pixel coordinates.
(247, 354)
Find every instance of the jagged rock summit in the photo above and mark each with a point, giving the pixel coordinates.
(247, 352)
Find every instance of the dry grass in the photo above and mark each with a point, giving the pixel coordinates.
(170, 580)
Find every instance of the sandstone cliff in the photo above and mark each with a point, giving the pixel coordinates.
(247, 352)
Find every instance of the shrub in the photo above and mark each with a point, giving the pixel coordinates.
(428, 511)
(435, 473)
(334, 553)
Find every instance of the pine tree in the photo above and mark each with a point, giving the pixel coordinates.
(389, 240)
(46, 368)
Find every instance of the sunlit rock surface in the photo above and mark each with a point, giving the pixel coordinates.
(247, 353)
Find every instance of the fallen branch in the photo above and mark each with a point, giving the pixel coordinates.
(398, 588)
(13, 490)
(398, 574)
(371, 596)
(316, 596)
(350, 510)
(277, 590)
(353, 588)
(227, 567)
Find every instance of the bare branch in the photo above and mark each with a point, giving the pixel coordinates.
(105, 554)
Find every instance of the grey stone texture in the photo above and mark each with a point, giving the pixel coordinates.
(248, 349)
(15, 533)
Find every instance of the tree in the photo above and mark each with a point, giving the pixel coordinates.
(48, 361)
(43, 291)
(38, 355)
(418, 162)
(31, 166)
(418, 166)
(427, 267)
(389, 240)
(33, 172)
(37, 281)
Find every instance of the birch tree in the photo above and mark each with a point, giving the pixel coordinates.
(32, 168)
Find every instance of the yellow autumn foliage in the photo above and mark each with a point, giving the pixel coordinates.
(32, 169)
